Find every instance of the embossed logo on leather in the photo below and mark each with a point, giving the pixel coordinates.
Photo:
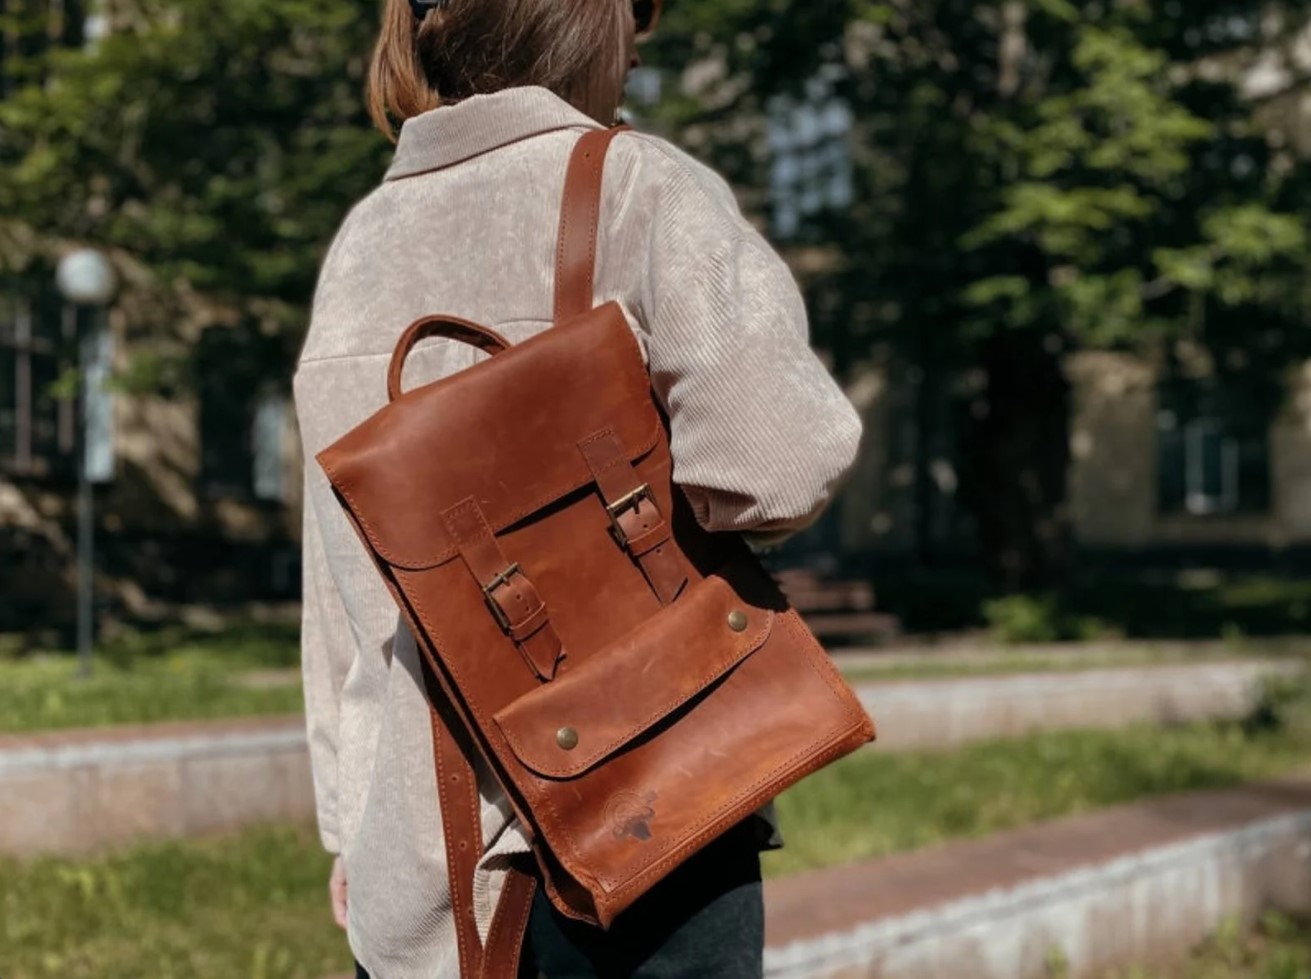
(629, 815)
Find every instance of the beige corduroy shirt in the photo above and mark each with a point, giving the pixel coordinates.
(465, 224)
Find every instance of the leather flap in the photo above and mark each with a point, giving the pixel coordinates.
(504, 432)
(576, 721)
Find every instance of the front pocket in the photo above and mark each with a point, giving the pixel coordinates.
(570, 725)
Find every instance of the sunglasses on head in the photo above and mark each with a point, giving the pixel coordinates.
(646, 14)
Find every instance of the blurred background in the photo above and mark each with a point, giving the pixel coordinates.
(1058, 254)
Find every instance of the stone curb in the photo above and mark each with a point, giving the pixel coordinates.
(1163, 884)
(71, 791)
(19, 760)
(934, 714)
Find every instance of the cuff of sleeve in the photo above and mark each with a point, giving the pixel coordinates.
(328, 837)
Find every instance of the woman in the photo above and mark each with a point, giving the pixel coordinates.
(493, 95)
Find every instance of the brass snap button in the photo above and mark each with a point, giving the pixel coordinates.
(567, 738)
(737, 621)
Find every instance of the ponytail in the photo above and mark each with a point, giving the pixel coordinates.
(398, 86)
(463, 48)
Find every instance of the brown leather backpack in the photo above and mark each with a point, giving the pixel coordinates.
(636, 684)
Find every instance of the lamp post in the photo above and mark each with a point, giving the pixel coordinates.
(86, 279)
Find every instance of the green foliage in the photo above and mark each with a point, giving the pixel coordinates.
(1076, 174)
(221, 144)
(1016, 619)
(1048, 174)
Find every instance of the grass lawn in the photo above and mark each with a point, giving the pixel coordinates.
(45, 692)
(1279, 949)
(253, 905)
(141, 677)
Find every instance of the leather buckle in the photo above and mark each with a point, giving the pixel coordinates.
(498, 613)
(630, 501)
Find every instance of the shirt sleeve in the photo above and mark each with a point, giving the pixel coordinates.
(761, 434)
(327, 651)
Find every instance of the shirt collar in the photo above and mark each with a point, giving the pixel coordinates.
(454, 133)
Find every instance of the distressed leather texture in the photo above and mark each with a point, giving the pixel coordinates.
(637, 684)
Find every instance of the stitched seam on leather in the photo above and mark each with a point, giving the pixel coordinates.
(560, 271)
(603, 138)
(522, 926)
(819, 753)
(818, 747)
(594, 218)
(452, 858)
(490, 960)
(608, 433)
(740, 653)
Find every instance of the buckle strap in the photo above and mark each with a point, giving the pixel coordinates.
(635, 517)
(511, 597)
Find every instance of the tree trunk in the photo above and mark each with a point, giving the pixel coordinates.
(1015, 455)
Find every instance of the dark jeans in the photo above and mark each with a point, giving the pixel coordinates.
(706, 920)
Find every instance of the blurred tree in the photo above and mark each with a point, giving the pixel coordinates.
(220, 144)
(1032, 176)
(1027, 177)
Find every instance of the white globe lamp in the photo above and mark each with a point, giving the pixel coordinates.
(86, 278)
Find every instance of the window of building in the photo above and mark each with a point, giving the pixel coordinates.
(1211, 460)
(810, 154)
(268, 447)
(37, 422)
(243, 418)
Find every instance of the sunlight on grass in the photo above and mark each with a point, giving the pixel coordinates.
(45, 693)
(253, 905)
(869, 804)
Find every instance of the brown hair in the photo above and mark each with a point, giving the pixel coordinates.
(575, 48)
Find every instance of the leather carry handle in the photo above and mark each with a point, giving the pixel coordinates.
(449, 327)
(575, 260)
(580, 215)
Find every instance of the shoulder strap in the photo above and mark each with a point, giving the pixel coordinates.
(461, 809)
(580, 214)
